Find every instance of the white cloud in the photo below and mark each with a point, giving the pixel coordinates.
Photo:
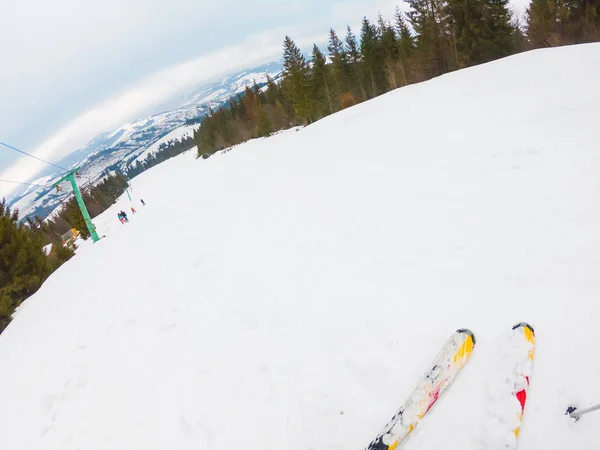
(144, 96)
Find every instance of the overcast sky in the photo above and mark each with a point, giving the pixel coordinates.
(70, 69)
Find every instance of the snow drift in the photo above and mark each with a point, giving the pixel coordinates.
(290, 293)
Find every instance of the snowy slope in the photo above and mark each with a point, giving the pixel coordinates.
(290, 293)
(176, 134)
(118, 148)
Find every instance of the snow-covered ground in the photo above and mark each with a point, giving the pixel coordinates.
(289, 294)
(176, 134)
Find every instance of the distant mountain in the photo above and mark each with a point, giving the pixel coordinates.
(117, 149)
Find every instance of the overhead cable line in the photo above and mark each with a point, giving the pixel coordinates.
(20, 182)
(29, 154)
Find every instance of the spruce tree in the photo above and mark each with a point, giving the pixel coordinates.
(297, 80)
(543, 24)
(23, 264)
(558, 22)
(339, 65)
(499, 32)
(75, 218)
(467, 27)
(320, 82)
(389, 51)
(354, 58)
(264, 128)
(428, 20)
(406, 45)
(352, 47)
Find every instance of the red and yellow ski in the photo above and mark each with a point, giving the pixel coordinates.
(524, 338)
(446, 366)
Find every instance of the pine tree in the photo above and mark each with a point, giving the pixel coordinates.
(558, 22)
(339, 65)
(586, 21)
(467, 26)
(389, 50)
(499, 32)
(233, 107)
(23, 264)
(433, 46)
(354, 58)
(73, 215)
(296, 80)
(406, 45)
(272, 93)
(265, 128)
(352, 47)
(544, 28)
(320, 81)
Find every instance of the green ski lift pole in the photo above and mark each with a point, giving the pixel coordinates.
(86, 216)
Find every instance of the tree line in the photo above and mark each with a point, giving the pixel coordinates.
(434, 37)
(24, 266)
(165, 151)
(552, 23)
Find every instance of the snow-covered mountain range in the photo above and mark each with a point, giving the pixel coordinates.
(135, 140)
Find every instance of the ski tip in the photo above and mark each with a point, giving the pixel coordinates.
(524, 325)
(469, 332)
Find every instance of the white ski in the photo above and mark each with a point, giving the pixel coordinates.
(446, 366)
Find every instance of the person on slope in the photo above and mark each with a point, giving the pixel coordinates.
(124, 216)
(121, 218)
(133, 210)
(143, 202)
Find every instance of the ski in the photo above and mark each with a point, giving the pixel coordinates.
(523, 341)
(446, 366)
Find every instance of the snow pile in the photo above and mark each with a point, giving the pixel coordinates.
(290, 293)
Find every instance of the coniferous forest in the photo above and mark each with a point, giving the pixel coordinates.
(433, 38)
(165, 151)
(24, 266)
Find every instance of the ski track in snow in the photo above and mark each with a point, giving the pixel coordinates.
(290, 294)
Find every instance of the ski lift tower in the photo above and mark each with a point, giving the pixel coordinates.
(86, 216)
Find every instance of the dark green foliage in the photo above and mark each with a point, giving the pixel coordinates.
(72, 214)
(296, 81)
(389, 52)
(320, 82)
(165, 151)
(355, 65)
(481, 30)
(252, 114)
(340, 68)
(432, 38)
(432, 43)
(559, 22)
(372, 57)
(406, 47)
(23, 264)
